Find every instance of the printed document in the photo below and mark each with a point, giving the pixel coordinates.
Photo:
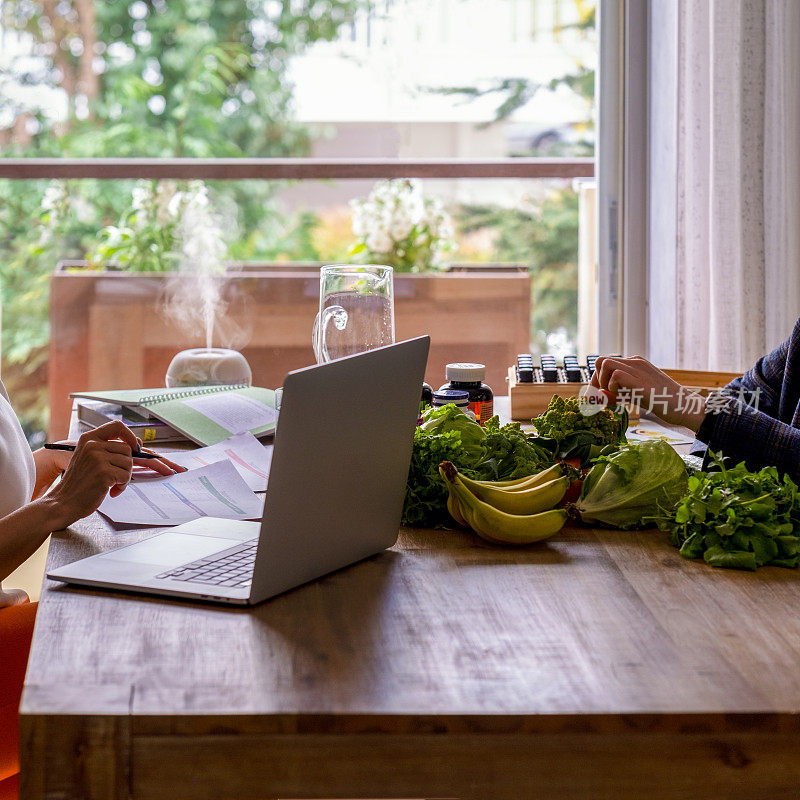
(216, 490)
(250, 458)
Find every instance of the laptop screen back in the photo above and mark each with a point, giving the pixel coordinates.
(339, 465)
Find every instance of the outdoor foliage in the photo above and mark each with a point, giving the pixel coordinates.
(180, 78)
(544, 235)
(512, 93)
(204, 78)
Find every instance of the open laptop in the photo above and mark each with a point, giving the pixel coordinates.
(334, 494)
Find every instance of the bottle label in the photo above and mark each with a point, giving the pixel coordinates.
(482, 410)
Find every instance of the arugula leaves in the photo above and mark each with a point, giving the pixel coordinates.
(426, 494)
(737, 519)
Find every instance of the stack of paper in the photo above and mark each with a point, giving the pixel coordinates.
(249, 457)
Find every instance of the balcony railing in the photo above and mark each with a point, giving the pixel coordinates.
(291, 168)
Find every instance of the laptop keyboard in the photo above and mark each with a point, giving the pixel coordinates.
(232, 567)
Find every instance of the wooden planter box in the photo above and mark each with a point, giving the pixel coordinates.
(108, 330)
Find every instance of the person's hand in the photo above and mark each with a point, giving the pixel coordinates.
(100, 465)
(162, 465)
(52, 463)
(13, 597)
(653, 389)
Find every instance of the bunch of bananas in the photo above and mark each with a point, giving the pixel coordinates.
(508, 512)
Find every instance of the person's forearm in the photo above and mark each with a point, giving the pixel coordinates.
(24, 530)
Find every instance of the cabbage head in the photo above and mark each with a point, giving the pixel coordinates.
(631, 483)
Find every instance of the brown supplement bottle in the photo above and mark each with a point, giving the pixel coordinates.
(469, 378)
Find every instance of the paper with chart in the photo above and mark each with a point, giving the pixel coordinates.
(250, 458)
(648, 428)
(216, 490)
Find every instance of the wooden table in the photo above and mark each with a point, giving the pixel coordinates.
(597, 665)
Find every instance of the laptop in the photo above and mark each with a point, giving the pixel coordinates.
(335, 491)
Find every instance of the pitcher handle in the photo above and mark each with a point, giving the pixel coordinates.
(318, 334)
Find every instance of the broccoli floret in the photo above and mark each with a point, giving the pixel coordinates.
(563, 418)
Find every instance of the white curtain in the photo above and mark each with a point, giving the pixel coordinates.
(735, 181)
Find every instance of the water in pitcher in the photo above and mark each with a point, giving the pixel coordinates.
(370, 323)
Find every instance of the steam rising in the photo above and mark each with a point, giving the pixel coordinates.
(193, 296)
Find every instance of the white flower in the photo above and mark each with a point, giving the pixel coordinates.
(396, 216)
(401, 229)
(139, 197)
(379, 241)
(113, 235)
(174, 205)
(54, 195)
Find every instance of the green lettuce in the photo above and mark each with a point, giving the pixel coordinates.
(626, 486)
(449, 418)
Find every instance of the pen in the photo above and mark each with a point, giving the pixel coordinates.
(70, 448)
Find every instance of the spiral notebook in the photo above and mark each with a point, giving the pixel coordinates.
(205, 414)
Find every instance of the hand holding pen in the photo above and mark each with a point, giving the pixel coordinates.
(70, 448)
(100, 464)
(141, 457)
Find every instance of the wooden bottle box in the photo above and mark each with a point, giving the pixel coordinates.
(528, 400)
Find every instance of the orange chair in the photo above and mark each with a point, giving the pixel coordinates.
(16, 630)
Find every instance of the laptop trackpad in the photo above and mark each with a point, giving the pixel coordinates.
(168, 550)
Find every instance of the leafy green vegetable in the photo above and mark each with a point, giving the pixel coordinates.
(570, 433)
(426, 495)
(627, 484)
(508, 453)
(450, 418)
(492, 453)
(736, 518)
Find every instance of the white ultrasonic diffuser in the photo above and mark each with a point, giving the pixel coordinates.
(208, 366)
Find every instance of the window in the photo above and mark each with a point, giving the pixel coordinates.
(479, 100)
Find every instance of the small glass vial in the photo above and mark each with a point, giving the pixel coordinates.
(426, 401)
(469, 378)
(427, 396)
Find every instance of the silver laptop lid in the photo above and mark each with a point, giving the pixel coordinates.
(339, 465)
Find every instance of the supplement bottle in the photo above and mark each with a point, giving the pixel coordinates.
(469, 378)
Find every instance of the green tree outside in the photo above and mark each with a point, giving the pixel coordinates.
(153, 78)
